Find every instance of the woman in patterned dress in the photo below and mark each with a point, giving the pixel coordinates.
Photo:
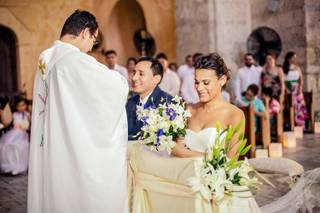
(272, 77)
(294, 85)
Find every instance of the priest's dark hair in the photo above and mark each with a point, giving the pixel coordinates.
(214, 62)
(156, 67)
(78, 21)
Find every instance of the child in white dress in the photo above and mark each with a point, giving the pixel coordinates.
(14, 145)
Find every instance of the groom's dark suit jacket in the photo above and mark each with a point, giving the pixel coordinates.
(134, 125)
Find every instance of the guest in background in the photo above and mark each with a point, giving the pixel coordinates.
(170, 82)
(294, 85)
(186, 74)
(173, 66)
(112, 63)
(146, 78)
(259, 108)
(274, 108)
(195, 57)
(249, 74)
(131, 63)
(225, 94)
(274, 105)
(14, 145)
(272, 77)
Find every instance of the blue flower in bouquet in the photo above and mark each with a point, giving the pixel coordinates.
(171, 113)
(162, 125)
(159, 134)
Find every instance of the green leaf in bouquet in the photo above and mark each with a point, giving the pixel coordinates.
(236, 179)
(236, 164)
(241, 136)
(222, 144)
(237, 128)
(182, 132)
(229, 133)
(232, 161)
(218, 127)
(222, 161)
(245, 150)
(241, 146)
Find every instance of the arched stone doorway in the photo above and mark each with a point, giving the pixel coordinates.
(8, 62)
(126, 18)
(263, 40)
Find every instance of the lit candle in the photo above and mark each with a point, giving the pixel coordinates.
(289, 140)
(261, 153)
(298, 131)
(275, 150)
(316, 127)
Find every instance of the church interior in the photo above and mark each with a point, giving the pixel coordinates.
(135, 28)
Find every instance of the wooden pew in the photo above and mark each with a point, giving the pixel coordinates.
(249, 128)
(279, 126)
(288, 113)
(265, 125)
(310, 101)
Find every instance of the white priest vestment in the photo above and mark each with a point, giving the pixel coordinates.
(78, 136)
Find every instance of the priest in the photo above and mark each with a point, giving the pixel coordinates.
(79, 127)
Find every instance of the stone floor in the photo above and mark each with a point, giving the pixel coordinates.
(13, 189)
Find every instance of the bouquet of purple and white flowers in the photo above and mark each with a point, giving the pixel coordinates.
(162, 125)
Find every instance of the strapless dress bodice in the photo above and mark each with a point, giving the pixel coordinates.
(201, 140)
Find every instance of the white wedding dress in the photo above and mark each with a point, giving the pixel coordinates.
(201, 140)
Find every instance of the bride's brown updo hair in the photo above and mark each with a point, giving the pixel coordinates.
(214, 62)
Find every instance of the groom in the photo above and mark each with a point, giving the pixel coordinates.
(146, 78)
(79, 128)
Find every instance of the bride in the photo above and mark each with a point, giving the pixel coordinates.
(211, 76)
(158, 180)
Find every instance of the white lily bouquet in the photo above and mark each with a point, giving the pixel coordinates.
(162, 125)
(217, 174)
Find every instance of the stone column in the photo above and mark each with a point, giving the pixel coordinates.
(221, 26)
(312, 80)
(192, 27)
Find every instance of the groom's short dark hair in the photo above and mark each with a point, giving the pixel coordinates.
(156, 67)
(78, 21)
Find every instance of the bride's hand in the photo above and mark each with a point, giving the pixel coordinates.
(179, 149)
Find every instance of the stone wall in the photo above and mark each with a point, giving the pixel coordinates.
(36, 24)
(288, 21)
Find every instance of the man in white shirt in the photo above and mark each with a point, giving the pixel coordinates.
(170, 82)
(111, 60)
(186, 74)
(249, 74)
